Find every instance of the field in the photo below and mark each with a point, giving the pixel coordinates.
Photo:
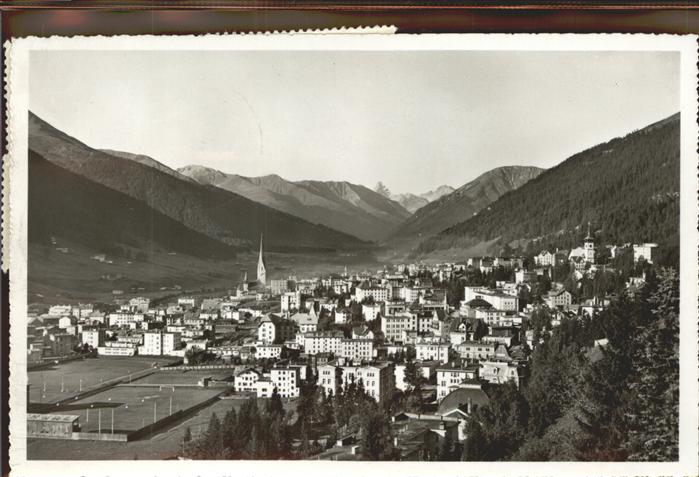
(183, 377)
(73, 277)
(134, 407)
(62, 381)
(166, 444)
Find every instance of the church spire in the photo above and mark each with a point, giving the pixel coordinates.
(589, 235)
(261, 269)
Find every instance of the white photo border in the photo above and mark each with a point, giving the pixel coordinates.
(15, 248)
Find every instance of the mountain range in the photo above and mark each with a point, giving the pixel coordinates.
(340, 205)
(627, 189)
(452, 208)
(218, 214)
(413, 202)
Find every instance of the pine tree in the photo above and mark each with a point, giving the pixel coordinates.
(476, 445)
(446, 448)
(654, 414)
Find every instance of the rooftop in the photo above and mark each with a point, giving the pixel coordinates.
(52, 417)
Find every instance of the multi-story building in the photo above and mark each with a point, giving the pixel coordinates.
(274, 329)
(365, 291)
(62, 344)
(645, 251)
(329, 378)
(432, 351)
(268, 351)
(476, 350)
(378, 379)
(393, 326)
(290, 301)
(157, 343)
(357, 349)
(556, 298)
(93, 337)
(325, 342)
(370, 312)
(279, 286)
(139, 304)
(286, 379)
(245, 380)
(450, 377)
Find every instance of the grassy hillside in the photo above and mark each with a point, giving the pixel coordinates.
(628, 188)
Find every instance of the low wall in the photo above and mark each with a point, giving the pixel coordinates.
(104, 436)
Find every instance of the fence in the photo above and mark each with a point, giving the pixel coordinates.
(157, 426)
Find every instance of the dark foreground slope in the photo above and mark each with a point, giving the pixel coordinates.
(628, 188)
(68, 207)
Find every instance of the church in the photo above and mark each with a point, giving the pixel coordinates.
(261, 269)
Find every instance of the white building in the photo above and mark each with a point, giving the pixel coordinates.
(545, 259)
(431, 351)
(93, 337)
(393, 326)
(378, 379)
(363, 292)
(287, 381)
(328, 342)
(476, 350)
(59, 310)
(499, 372)
(556, 298)
(329, 378)
(139, 304)
(290, 301)
(357, 349)
(245, 380)
(268, 351)
(645, 251)
(370, 312)
(156, 343)
(274, 329)
(452, 377)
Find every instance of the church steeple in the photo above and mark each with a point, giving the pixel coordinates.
(589, 246)
(589, 235)
(261, 270)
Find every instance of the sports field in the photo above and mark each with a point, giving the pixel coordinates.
(69, 379)
(133, 407)
(184, 377)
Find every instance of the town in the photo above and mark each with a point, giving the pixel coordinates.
(383, 364)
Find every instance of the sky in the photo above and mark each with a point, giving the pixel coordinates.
(414, 120)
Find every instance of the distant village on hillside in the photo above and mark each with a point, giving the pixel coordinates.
(423, 346)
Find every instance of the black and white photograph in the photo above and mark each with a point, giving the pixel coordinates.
(460, 252)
